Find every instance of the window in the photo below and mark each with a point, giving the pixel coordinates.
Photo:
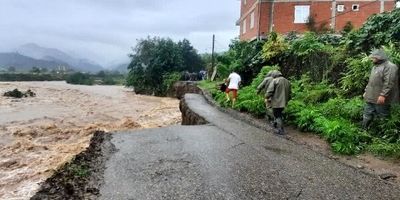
(244, 26)
(340, 8)
(252, 20)
(301, 14)
(355, 7)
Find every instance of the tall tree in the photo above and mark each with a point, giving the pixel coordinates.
(191, 59)
(153, 60)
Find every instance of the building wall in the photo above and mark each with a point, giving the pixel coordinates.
(246, 10)
(320, 10)
(359, 17)
(284, 15)
(265, 18)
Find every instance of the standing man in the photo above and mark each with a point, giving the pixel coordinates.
(234, 82)
(382, 89)
(278, 95)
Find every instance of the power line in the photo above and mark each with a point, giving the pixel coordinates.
(220, 46)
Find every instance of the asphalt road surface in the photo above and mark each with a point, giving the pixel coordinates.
(228, 159)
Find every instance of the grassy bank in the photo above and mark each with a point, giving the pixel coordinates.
(323, 110)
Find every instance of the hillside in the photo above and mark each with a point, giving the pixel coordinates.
(25, 63)
(51, 54)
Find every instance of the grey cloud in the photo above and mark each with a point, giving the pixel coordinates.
(104, 30)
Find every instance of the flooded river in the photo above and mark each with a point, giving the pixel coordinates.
(39, 134)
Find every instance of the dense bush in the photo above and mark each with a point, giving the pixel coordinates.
(328, 75)
(380, 29)
(155, 59)
(243, 57)
(30, 77)
(79, 78)
(169, 80)
(356, 75)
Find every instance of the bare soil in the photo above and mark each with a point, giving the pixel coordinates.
(83, 176)
(38, 135)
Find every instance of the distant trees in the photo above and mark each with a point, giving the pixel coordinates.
(35, 70)
(11, 69)
(156, 61)
(80, 79)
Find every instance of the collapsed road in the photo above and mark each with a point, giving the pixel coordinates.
(220, 157)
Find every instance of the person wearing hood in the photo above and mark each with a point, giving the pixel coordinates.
(263, 88)
(382, 90)
(278, 95)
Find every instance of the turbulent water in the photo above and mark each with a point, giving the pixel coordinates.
(39, 134)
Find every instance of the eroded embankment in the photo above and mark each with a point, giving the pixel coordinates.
(188, 116)
(40, 134)
(69, 182)
(81, 178)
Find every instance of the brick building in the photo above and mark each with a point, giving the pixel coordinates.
(259, 17)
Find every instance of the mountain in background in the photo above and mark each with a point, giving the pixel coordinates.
(122, 68)
(51, 54)
(25, 63)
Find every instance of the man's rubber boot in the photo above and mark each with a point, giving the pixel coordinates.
(366, 122)
(279, 126)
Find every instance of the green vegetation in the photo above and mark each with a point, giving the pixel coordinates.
(157, 63)
(78, 170)
(31, 77)
(80, 79)
(328, 75)
(101, 78)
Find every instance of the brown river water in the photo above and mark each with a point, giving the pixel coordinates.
(39, 134)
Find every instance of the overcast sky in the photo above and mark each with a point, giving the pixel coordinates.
(105, 30)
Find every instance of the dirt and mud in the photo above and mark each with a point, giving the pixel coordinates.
(82, 177)
(38, 135)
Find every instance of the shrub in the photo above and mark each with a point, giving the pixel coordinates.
(356, 75)
(311, 92)
(381, 147)
(79, 78)
(274, 46)
(349, 109)
(169, 79)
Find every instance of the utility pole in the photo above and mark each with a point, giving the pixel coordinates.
(212, 60)
(333, 15)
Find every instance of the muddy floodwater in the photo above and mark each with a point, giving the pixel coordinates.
(39, 134)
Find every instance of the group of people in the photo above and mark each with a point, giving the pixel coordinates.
(381, 92)
(277, 95)
(200, 76)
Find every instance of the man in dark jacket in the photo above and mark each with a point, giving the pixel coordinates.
(382, 90)
(278, 94)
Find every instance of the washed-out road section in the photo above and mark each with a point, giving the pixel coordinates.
(226, 158)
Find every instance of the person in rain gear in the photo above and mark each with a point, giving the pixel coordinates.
(278, 95)
(382, 90)
(263, 88)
